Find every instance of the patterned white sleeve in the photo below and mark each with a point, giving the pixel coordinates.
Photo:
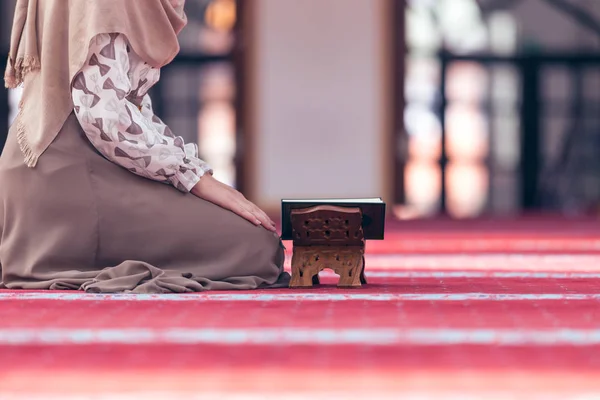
(148, 112)
(127, 134)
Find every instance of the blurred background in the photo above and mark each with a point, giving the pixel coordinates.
(456, 108)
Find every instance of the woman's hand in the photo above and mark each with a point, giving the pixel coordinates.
(210, 189)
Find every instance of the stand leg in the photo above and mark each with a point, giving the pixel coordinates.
(304, 273)
(363, 279)
(350, 274)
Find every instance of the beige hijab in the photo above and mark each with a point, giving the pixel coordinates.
(50, 43)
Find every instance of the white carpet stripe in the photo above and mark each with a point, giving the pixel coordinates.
(295, 296)
(477, 274)
(485, 262)
(359, 392)
(302, 336)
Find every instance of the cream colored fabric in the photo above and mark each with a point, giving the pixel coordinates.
(49, 45)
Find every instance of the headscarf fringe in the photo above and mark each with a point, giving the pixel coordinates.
(30, 157)
(14, 76)
(16, 71)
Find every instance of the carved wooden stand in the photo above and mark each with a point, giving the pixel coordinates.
(328, 237)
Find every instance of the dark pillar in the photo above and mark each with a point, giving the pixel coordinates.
(239, 64)
(6, 12)
(442, 116)
(4, 114)
(530, 133)
(399, 143)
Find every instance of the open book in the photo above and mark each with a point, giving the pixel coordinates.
(373, 210)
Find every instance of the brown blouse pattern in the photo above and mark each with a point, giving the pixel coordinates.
(111, 100)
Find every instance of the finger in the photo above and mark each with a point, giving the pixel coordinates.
(262, 213)
(263, 220)
(240, 210)
(248, 205)
(251, 207)
(262, 216)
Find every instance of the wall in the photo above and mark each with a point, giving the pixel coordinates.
(553, 30)
(319, 99)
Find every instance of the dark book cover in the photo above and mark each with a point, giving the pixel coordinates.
(373, 210)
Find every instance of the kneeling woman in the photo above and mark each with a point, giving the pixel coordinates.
(96, 192)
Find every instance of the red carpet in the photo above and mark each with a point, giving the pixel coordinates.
(471, 310)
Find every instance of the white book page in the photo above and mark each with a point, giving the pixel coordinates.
(338, 201)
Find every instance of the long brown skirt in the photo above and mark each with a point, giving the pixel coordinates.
(78, 221)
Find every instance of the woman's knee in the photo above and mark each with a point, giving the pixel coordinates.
(264, 251)
(267, 241)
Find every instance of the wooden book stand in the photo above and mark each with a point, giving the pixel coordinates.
(328, 237)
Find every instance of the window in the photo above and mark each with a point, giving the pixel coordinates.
(481, 115)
